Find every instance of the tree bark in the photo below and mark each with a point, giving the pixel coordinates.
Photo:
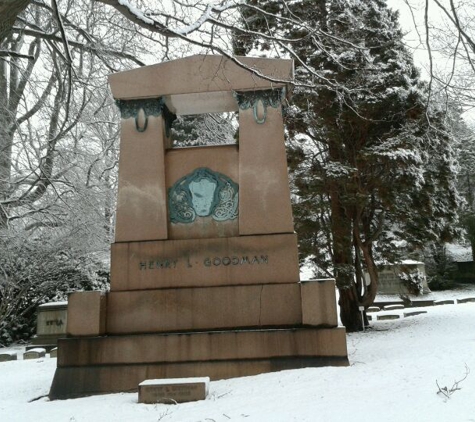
(349, 311)
(9, 10)
(343, 262)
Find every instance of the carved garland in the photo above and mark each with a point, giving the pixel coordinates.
(150, 107)
(267, 98)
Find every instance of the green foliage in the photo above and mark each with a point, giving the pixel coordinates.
(33, 273)
(468, 223)
(440, 268)
(413, 281)
(369, 159)
(204, 129)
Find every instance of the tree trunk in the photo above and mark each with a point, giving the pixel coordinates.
(9, 10)
(349, 311)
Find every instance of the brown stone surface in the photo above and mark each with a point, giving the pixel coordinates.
(264, 202)
(186, 263)
(202, 346)
(173, 390)
(115, 364)
(141, 201)
(86, 314)
(180, 162)
(203, 308)
(319, 303)
(77, 382)
(201, 299)
(188, 82)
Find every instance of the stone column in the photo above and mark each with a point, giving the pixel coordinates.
(264, 206)
(141, 203)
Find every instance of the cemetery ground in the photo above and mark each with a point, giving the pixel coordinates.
(419, 368)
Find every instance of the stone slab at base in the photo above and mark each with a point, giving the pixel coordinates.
(90, 380)
(88, 366)
(174, 390)
(202, 346)
(45, 342)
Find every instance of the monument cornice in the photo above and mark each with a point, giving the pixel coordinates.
(202, 83)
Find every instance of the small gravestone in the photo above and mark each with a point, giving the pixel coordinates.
(393, 307)
(36, 353)
(421, 303)
(373, 309)
(389, 316)
(7, 356)
(178, 390)
(50, 325)
(466, 300)
(444, 302)
(53, 353)
(413, 313)
(405, 277)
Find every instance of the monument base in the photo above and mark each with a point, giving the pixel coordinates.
(98, 365)
(46, 342)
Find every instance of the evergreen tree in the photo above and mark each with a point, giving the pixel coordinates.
(466, 177)
(204, 129)
(371, 161)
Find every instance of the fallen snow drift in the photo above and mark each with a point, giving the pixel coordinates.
(392, 377)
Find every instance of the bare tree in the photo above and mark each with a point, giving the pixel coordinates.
(446, 31)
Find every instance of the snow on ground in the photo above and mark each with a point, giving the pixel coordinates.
(392, 377)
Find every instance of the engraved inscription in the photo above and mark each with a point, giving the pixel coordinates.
(216, 261)
(156, 264)
(57, 322)
(236, 260)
